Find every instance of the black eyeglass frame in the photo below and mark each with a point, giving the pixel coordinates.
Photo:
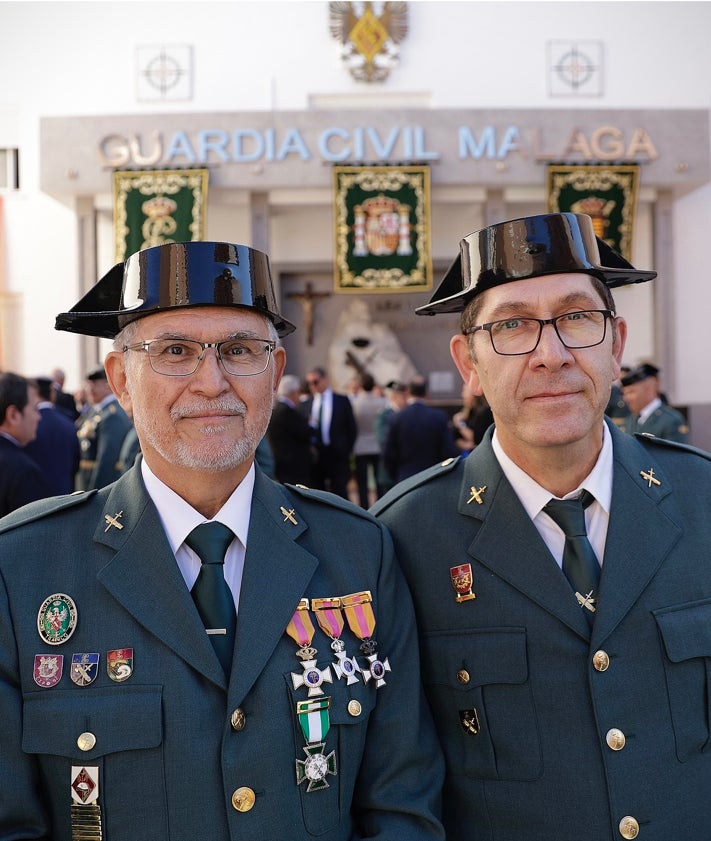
(541, 324)
(270, 347)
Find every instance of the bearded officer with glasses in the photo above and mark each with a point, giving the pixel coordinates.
(177, 656)
(560, 572)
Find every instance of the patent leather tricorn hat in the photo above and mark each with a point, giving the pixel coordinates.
(534, 246)
(173, 276)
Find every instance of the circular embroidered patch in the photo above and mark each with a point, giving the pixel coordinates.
(57, 619)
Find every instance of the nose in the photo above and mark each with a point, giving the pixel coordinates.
(210, 377)
(550, 351)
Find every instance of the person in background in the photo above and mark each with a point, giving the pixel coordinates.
(334, 433)
(63, 400)
(471, 421)
(101, 434)
(241, 653)
(418, 436)
(366, 406)
(55, 448)
(21, 480)
(396, 397)
(649, 413)
(560, 571)
(289, 434)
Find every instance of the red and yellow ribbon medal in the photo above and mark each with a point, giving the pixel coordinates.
(330, 619)
(301, 630)
(358, 608)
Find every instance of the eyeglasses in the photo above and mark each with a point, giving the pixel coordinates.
(181, 357)
(518, 336)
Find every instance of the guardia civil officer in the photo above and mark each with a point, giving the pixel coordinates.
(650, 414)
(568, 676)
(101, 432)
(196, 651)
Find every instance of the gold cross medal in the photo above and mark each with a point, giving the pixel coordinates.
(315, 723)
(358, 608)
(330, 619)
(462, 581)
(301, 630)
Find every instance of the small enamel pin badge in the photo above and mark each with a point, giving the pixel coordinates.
(462, 581)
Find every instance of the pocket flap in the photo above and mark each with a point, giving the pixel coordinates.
(119, 719)
(686, 630)
(487, 655)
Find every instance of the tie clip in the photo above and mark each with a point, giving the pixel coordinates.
(215, 630)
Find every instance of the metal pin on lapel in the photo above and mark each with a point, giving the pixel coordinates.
(288, 515)
(476, 495)
(113, 521)
(649, 477)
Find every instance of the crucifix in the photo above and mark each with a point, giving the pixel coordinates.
(307, 299)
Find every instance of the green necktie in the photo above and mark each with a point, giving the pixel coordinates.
(211, 593)
(579, 561)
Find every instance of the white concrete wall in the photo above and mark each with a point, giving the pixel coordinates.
(78, 58)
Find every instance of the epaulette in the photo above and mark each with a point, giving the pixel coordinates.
(647, 438)
(331, 499)
(421, 478)
(43, 508)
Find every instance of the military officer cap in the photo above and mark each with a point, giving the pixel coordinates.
(96, 374)
(643, 372)
(173, 276)
(534, 246)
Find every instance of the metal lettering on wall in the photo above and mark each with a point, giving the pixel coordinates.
(368, 143)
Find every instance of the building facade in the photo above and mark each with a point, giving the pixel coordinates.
(486, 95)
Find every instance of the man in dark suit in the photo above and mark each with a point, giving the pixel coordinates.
(334, 433)
(64, 401)
(55, 448)
(241, 653)
(289, 435)
(418, 437)
(21, 480)
(567, 672)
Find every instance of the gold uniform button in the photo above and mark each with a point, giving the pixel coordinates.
(243, 799)
(601, 661)
(615, 739)
(463, 676)
(629, 828)
(354, 708)
(238, 719)
(86, 741)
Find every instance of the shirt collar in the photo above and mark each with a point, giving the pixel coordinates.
(533, 496)
(179, 518)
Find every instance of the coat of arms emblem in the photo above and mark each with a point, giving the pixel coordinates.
(369, 33)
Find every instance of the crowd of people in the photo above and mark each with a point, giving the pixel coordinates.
(357, 444)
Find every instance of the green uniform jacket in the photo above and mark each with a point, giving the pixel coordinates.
(664, 422)
(550, 732)
(179, 753)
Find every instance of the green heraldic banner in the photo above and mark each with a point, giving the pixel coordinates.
(158, 206)
(606, 193)
(382, 228)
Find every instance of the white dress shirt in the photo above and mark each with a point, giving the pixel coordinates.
(179, 519)
(534, 497)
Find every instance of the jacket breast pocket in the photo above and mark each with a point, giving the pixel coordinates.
(117, 731)
(686, 637)
(477, 685)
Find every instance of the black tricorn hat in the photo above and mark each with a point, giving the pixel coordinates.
(642, 372)
(171, 276)
(534, 246)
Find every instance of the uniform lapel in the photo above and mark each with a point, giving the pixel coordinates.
(276, 575)
(509, 544)
(640, 535)
(144, 577)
